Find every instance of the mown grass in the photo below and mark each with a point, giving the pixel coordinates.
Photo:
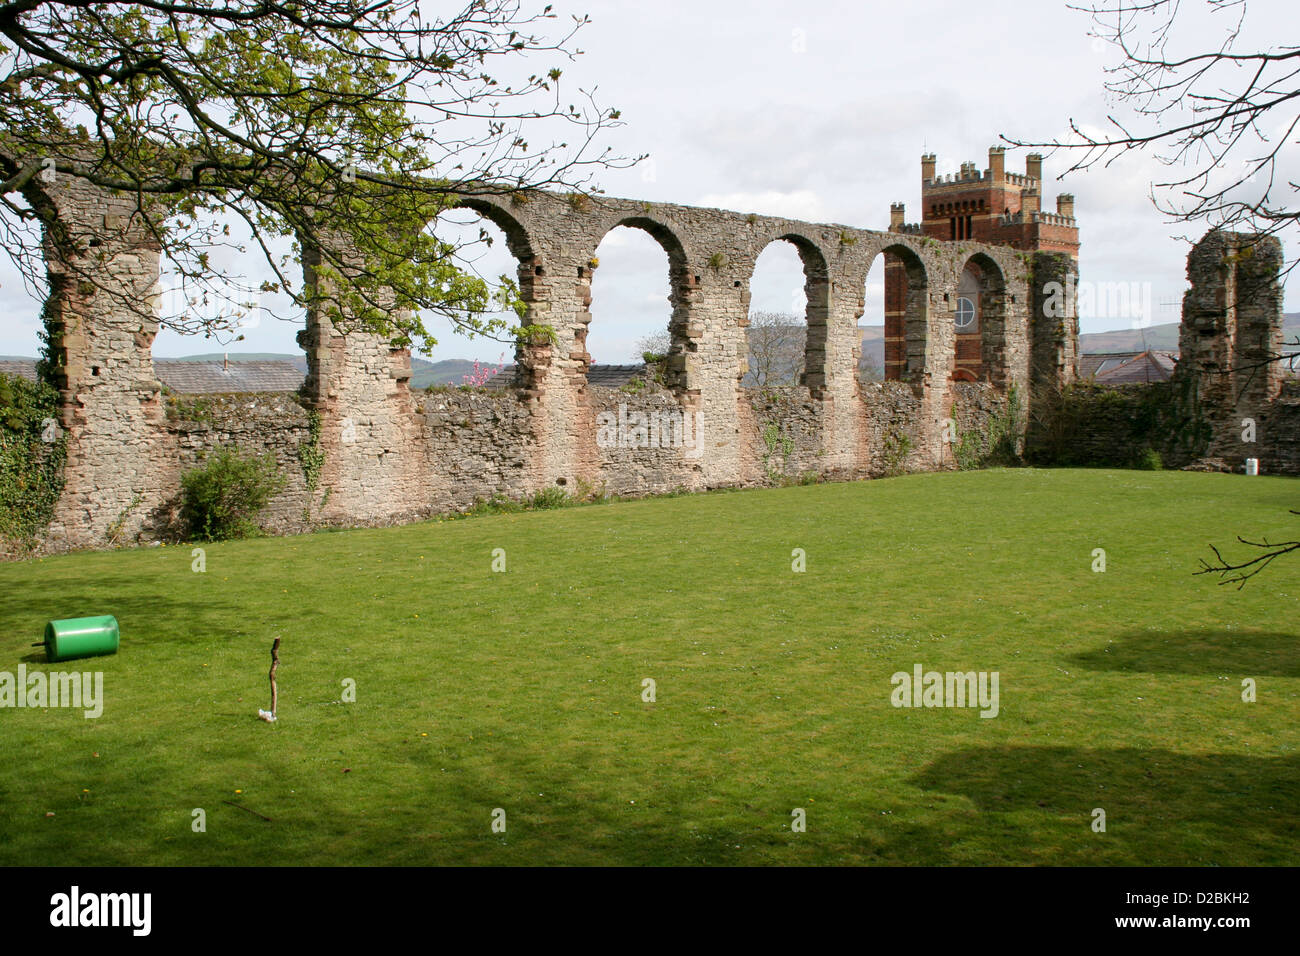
(522, 690)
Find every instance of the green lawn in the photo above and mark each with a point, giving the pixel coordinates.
(477, 690)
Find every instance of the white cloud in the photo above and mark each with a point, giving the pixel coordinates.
(737, 115)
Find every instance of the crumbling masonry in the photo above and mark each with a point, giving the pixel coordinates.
(391, 454)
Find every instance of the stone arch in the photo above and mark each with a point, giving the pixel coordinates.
(517, 238)
(990, 282)
(907, 313)
(682, 284)
(529, 269)
(817, 289)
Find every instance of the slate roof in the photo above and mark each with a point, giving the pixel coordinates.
(18, 368)
(206, 378)
(203, 378)
(1126, 368)
(607, 376)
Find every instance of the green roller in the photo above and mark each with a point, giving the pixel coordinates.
(80, 637)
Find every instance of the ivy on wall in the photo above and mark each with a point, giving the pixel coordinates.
(312, 458)
(1126, 426)
(33, 449)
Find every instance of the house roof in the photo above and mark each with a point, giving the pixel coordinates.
(18, 368)
(607, 376)
(202, 378)
(1123, 368)
(199, 378)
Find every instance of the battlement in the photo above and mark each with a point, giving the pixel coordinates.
(1050, 218)
(993, 205)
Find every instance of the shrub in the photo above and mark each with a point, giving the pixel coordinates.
(496, 505)
(896, 445)
(550, 497)
(544, 499)
(221, 498)
(1149, 460)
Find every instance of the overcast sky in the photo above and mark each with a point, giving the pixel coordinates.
(821, 112)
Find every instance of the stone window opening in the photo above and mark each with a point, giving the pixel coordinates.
(788, 307)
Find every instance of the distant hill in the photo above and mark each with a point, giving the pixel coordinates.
(423, 372)
(1163, 336)
(452, 371)
(1120, 340)
(298, 359)
(1159, 337)
(446, 372)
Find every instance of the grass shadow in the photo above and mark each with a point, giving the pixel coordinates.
(1158, 803)
(1208, 651)
(179, 618)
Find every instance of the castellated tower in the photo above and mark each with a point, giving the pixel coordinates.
(993, 206)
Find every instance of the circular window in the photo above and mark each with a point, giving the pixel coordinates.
(965, 314)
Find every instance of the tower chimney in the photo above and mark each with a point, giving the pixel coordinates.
(896, 215)
(1029, 201)
(998, 163)
(1065, 205)
(1034, 166)
(927, 167)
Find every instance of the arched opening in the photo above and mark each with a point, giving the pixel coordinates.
(32, 443)
(871, 324)
(789, 306)
(776, 338)
(638, 312)
(905, 302)
(482, 241)
(228, 324)
(979, 320)
(23, 291)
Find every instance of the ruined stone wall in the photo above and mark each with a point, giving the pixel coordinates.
(1280, 426)
(1231, 327)
(101, 319)
(1110, 426)
(895, 427)
(1227, 400)
(475, 444)
(648, 443)
(391, 454)
(272, 424)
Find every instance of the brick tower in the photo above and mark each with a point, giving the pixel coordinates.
(995, 207)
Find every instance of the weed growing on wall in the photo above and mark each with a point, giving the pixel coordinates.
(998, 443)
(896, 445)
(312, 458)
(776, 444)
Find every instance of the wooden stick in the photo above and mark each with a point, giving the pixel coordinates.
(246, 810)
(275, 663)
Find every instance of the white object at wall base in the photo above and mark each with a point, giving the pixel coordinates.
(1252, 466)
